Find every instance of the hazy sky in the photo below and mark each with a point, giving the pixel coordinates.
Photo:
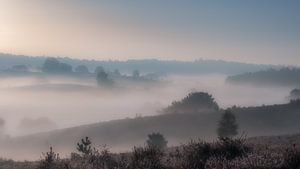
(260, 31)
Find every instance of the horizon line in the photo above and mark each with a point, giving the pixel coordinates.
(145, 59)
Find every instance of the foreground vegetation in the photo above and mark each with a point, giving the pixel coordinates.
(226, 153)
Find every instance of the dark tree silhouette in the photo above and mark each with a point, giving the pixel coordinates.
(51, 160)
(103, 79)
(135, 74)
(85, 146)
(227, 125)
(295, 94)
(193, 103)
(157, 140)
(99, 69)
(52, 65)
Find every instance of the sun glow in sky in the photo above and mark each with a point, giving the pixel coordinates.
(259, 31)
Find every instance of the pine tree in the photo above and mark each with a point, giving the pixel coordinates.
(51, 160)
(85, 146)
(227, 125)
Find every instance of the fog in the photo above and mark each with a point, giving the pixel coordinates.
(36, 104)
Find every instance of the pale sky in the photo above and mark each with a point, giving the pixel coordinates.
(256, 31)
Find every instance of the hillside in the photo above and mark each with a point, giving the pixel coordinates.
(278, 77)
(123, 134)
(144, 66)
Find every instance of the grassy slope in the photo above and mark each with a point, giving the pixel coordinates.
(177, 128)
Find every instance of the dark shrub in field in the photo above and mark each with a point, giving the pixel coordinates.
(291, 159)
(231, 148)
(195, 154)
(157, 140)
(149, 157)
(102, 159)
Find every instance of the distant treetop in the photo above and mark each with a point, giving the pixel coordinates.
(52, 65)
(193, 103)
(295, 94)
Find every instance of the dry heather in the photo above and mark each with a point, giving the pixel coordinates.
(223, 154)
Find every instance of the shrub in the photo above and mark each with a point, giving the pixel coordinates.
(146, 158)
(291, 159)
(231, 148)
(157, 140)
(194, 155)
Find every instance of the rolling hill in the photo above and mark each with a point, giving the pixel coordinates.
(276, 77)
(123, 134)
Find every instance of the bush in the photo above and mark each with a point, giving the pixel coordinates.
(291, 159)
(194, 155)
(157, 140)
(231, 148)
(146, 158)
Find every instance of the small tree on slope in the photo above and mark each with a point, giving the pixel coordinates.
(227, 126)
(157, 140)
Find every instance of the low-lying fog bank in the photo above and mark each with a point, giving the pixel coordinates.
(34, 104)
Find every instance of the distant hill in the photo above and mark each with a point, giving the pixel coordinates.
(144, 66)
(282, 77)
(177, 128)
